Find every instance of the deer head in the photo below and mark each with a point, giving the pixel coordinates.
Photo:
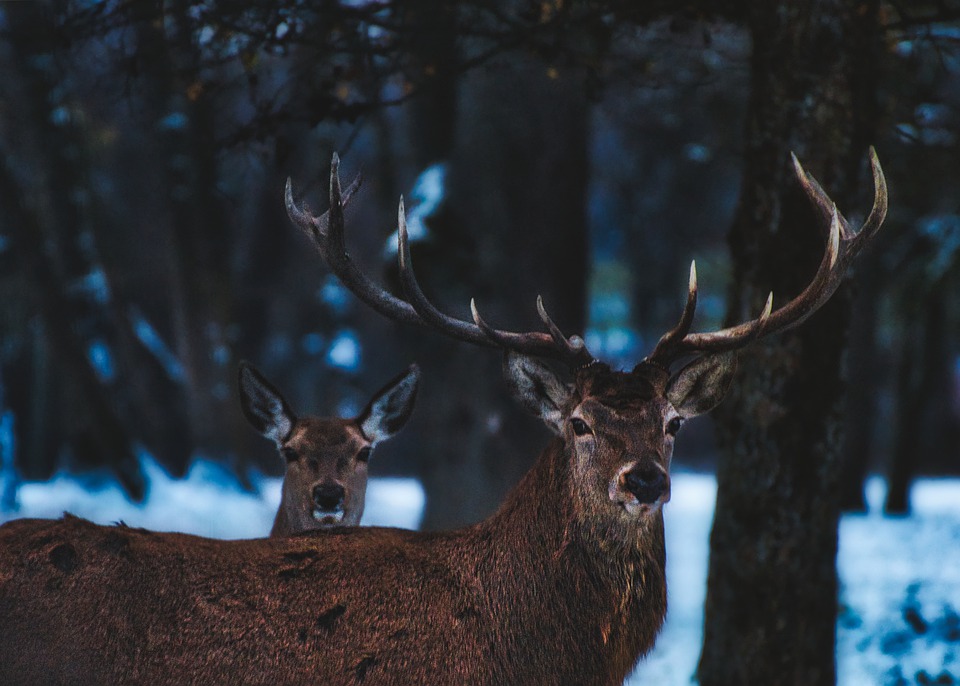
(618, 427)
(325, 481)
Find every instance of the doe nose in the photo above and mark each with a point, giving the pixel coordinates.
(647, 484)
(328, 497)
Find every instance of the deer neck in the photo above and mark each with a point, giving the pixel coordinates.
(281, 525)
(541, 564)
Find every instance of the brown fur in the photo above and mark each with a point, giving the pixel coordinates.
(560, 586)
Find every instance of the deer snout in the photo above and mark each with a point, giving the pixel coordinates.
(647, 484)
(640, 487)
(328, 497)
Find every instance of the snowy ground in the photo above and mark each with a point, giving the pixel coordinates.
(898, 618)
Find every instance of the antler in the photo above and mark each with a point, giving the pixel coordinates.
(326, 231)
(843, 245)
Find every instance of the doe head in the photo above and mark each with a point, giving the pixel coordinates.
(325, 481)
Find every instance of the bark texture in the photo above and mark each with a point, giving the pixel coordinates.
(771, 599)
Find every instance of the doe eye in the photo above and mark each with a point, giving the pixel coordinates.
(289, 454)
(580, 427)
(673, 426)
(364, 454)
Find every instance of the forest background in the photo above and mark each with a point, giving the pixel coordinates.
(584, 151)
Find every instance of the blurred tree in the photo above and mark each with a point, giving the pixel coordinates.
(66, 352)
(771, 600)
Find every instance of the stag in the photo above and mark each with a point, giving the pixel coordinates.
(326, 458)
(564, 584)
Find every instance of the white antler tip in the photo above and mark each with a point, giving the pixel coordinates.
(768, 308)
(798, 168)
(693, 276)
(835, 229)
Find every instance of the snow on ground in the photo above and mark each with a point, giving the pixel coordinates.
(898, 619)
(208, 501)
(899, 600)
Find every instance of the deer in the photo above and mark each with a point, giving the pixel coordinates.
(564, 584)
(326, 458)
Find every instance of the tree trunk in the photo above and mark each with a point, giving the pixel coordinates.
(771, 598)
(922, 394)
(66, 405)
(863, 397)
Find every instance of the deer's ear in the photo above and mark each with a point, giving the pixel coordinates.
(537, 388)
(700, 386)
(263, 406)
(391, 406)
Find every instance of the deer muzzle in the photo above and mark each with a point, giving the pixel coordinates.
(328, 503)
(640, 488)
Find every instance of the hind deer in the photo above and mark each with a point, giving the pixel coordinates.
(564, 584)
(325, 480)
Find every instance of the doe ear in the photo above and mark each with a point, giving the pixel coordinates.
(700, 386)
(263, 406)
(537, 388)
(391, 406)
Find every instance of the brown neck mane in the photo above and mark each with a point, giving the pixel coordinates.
(537, 560)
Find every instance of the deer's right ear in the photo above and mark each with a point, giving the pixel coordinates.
(263, 406)
(537, 388)
(701, 385)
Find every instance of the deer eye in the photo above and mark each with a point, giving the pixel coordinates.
(289, 454)
(364, 454)
(673, 426)
(580, 427)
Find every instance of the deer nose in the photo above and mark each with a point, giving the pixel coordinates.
(328, 497)
(648, 484)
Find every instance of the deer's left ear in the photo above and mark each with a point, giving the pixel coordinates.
(391, 406)
(700, 386)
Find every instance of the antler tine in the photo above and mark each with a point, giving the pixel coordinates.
(572, 350)
(487, 330)
(418, 300)
(335, 214)
(575, 348)
(878, 212)
(842, 246)
(327, 232)
(318, 227)
(677, 333)
(479, 332)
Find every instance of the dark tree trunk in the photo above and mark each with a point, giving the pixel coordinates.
(863, 395)
(772, 589)
(923, 392)
(66, 405)
(197, 249)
